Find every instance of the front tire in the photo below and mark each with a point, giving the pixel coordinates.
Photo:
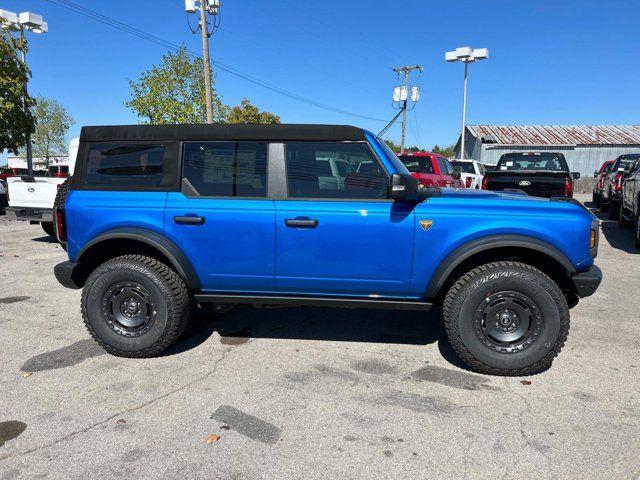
(506, 318)
(135, 306)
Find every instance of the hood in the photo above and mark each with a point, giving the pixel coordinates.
(466, 198)
(472, 194)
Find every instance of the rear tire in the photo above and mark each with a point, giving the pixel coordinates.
(637, 233)
(48, 228)
(135, 306)
(598, 200)
(623, 222)
(506, 318)
(614, 210)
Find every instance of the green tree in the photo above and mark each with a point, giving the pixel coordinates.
(448, 152)
(248, 113)
(396, 147)
(15, 122)
(52, 124)
(173, 92)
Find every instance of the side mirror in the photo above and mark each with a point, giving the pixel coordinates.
(403, 187)
(575, 175)
(456, 175)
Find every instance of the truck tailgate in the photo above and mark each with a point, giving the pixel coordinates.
(38, 194)
(538, 184)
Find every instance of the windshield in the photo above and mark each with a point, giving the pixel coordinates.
(538, 161)
(417, 164)
(463, 167)
(626, 162)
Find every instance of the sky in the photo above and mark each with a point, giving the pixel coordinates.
(553, 62)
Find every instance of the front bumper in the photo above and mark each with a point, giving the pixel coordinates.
(69, 274)
(587, 282)
(28, 213)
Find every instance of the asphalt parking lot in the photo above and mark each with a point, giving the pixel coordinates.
(309, 392)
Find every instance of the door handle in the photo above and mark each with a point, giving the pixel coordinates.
(301, 222)
(187, 220)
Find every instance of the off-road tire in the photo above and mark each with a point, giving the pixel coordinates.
(48, 228)
(598, 200)
(594, 198)
(469, 293)
(614, 210)
(623, 222)
(170, 305)
(63, 193)
(637, 233)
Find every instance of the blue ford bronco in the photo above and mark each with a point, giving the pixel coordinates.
(158, 218)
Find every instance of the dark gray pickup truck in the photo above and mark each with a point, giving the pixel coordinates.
(540, 174)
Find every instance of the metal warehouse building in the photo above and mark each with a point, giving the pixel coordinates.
(584, 147)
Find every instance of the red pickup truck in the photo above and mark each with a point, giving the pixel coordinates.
(12, 172)
(432, 169)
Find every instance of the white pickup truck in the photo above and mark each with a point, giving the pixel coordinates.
(31, 198)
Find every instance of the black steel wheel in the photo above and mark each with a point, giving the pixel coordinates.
(128, 309)
(135, 306)
(506, 318)
(508, 321)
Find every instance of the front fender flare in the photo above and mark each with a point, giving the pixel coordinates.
(178, 259)
(479, 245)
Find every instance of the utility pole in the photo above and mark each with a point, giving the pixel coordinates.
(206, 61)
(404, 97)
(212, 7)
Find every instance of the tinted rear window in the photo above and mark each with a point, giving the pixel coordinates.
(124, 165)
(544, 161)
(626, 161)
(417, 164)
(463, 167)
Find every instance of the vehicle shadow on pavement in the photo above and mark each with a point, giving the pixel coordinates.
(45, 239)
(314, 323)
(620, 238)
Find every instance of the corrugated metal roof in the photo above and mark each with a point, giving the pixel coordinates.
(558, 134)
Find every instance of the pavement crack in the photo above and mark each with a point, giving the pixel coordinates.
(126, 411)
(522, 430)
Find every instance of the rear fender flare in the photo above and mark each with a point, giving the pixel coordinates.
(178, 259)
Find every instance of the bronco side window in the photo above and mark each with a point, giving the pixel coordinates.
(313, 172)
(123, 165)
(226, 169)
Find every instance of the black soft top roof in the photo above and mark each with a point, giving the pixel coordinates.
(258, 132)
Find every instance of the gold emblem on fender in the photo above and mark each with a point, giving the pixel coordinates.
(426, 224)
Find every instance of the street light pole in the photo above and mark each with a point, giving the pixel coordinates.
(26, 105)
(464, 111)
(466, 55)
(32, 22)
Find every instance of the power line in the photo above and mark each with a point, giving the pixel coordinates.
(226, 68)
